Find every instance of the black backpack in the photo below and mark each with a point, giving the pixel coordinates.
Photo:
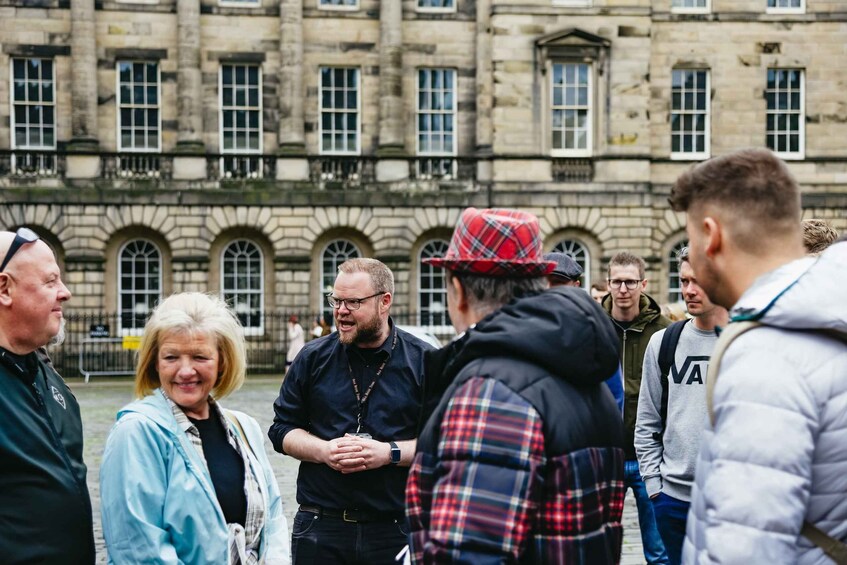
(666, 354)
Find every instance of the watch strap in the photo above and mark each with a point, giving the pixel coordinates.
(395, 453)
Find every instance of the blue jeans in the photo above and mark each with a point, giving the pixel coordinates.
(654, 549)
(316, 540)
(671, 516)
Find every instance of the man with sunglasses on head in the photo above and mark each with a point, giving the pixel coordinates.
(636, 317)
(348, 410)
(45, 508)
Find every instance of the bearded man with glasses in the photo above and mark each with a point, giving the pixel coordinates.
(636, 317)
(348, 410)
(45, 508)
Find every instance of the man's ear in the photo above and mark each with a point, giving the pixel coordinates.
(5, 289)
(385, 300)
(460, 294)
(644, 285)
(713, 236)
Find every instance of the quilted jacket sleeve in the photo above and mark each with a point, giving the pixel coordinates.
(491, 450)
(755, 468)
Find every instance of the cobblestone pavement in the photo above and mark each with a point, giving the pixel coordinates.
(101, 400)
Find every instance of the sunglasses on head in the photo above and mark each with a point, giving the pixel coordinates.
(22, 237)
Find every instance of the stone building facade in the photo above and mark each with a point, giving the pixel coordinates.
(248, 146)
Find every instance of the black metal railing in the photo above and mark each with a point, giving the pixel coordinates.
(28, 163)
(137, 166)
(96, 344)
(573, 170)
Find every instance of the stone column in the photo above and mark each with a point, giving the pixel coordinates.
(83, 93)
(484, 90)
(391, 149)
(291, 161)
(191, 161)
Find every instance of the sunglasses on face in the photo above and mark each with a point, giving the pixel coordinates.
(22, 237)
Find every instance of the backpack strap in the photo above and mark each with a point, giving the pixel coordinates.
(667, 350)
(833, 548)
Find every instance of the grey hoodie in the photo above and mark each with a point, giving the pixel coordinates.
(777, 454)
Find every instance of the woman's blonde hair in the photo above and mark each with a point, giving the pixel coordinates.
(193, 314)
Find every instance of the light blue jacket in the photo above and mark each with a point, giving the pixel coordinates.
(157, 498)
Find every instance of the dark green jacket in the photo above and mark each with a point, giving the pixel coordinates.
(634, 342)
(45, 510)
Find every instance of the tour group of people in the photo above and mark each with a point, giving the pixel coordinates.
(514, 443)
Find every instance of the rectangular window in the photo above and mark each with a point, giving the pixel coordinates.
(690, 6)
(139, 123)
(339, 109)
(689, 114)
(778, 6)
(241, 119)
(33, 104)
(785, 113)
(436, 123)
(437, 5)
(339, 4)
(571, 95)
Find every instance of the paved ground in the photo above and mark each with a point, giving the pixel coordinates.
(101, 399)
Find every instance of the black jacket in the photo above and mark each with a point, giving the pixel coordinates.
(554, 350)
(45, 509)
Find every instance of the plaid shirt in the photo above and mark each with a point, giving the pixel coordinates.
(491, 492)
(243, 540)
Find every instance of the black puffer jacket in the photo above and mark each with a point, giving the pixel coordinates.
(552, 351)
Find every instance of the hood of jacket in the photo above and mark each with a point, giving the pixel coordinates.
(561, 330)
(648, 311)
(801, 295)
(155, 408)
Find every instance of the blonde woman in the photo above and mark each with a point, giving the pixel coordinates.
(182, 479)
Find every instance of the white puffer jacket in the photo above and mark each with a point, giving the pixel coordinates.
(777, 454)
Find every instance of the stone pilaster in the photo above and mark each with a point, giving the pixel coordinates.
(484, 89)
(83, 162)
(391, 151)
(291, 161)
(190, 163)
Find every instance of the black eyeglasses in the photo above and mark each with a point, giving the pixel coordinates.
(628, 283)
(349, 303)
(22, 237)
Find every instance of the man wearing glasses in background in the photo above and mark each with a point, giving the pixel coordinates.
(348, 410)
(636, 317)
(45, 508)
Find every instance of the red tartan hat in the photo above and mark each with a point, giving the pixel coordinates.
(495, 243)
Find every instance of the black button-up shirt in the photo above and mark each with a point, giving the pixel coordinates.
(317, 395)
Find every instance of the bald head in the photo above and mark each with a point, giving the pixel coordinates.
(31, 294)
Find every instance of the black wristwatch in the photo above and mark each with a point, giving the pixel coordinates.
(395, 453)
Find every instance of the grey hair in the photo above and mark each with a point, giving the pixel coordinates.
(682, 256)
(487, 294)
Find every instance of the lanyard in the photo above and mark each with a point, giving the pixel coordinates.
(361, 400)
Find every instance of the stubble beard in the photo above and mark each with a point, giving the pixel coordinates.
(366, 332)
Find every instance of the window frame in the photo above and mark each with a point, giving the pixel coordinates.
(26, 103)
(333, 7)
(430, 273)
(706, 9)
(248, 330)
(801, 113)
(674, 284)
(133, 331)
(323, 307)
(358, 149)
(452, 113)
(435, 9)
(707, 112)
(121, 148)
(591, 112)
(801, 9)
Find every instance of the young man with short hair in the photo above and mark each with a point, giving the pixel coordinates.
(636, 317)
(672, 408)
(771, 467)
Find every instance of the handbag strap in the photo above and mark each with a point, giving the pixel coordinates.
(234, 419)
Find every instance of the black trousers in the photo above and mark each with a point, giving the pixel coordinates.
(323, 539)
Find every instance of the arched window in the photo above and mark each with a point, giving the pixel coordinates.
(334, 254)
(432, 288)
(242, 278)
(579, 253)
(674, 286)
(139, 284)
